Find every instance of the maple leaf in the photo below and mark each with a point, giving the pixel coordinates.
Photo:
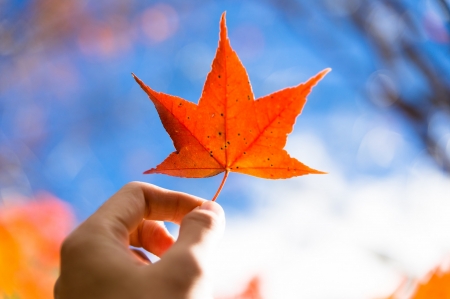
(229, 130)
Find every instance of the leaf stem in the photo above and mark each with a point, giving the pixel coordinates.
(221, 185)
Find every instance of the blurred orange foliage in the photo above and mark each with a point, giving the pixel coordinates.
(438, 286)
(435, 285)
(252, 291)
(31, 233)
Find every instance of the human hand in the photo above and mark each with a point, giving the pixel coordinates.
(96, 261)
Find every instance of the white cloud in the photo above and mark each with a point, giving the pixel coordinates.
(325, 236)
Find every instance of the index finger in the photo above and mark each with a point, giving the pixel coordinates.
(124, 211)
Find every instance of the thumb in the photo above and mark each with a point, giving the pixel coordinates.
(200, 232)
(185, 264)
(202, 228)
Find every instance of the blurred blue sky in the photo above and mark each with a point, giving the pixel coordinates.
(74, 122)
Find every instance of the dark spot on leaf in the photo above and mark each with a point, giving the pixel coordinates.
(221, 114)
(228, 142)
(221, 148)
(245, 153)
(220, 133)
(219, 76)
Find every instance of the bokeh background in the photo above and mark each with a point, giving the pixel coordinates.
(74, 124)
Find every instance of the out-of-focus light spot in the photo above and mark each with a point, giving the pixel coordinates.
(14, 179)
(67, 159)
(360, 127)
(308, 148)
(447, 149)
(96, 190)
(283, 78)
(159, 22)
(68, 81)
(194, 60)
(248, 41)
(138, 161)
(435, 28)
(439, 124)
(7, 44)
(443, 153)
(436, 18)
(105, 39)
(385, 23)
(342, 7)
(96, 40)
(382, 89)
(30, 123)
(378, 147)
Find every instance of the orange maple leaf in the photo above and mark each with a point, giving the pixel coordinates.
(229, 130)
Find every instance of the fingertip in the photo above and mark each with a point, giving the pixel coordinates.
(213, 207)
(207, 222)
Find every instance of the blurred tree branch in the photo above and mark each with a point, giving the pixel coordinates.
(417, 106)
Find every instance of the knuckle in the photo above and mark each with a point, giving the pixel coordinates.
(74, 243)
(191, 264)
(189, 270)
(69, 245)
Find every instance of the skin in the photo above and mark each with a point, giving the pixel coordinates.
(96, 261)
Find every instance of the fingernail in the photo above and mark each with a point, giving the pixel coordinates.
(213, 207)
